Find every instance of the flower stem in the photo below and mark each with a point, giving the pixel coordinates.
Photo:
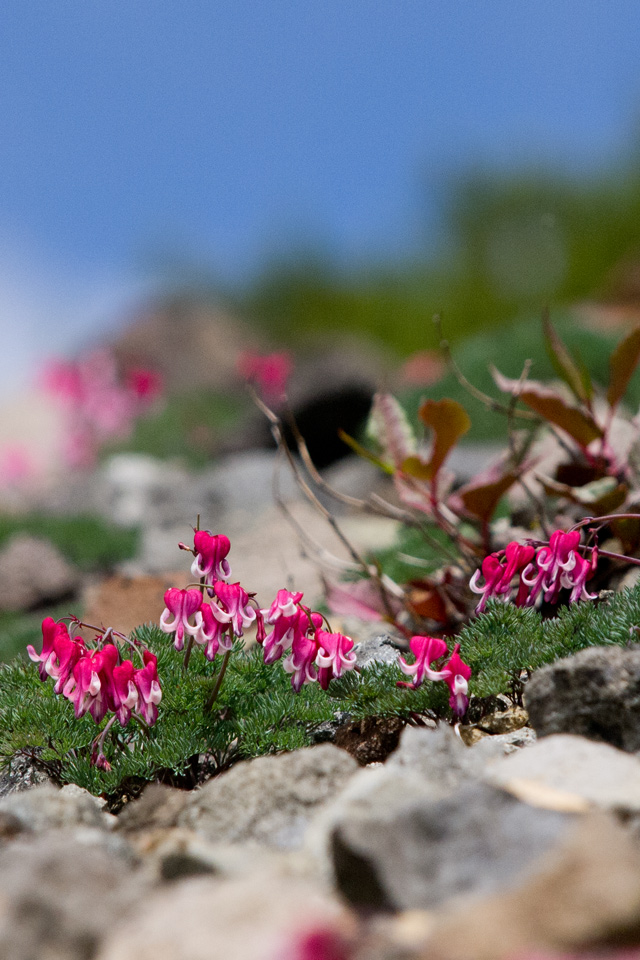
(216, 687)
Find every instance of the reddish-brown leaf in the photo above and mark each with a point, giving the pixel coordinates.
(361, 599)
(428, 603)
(449, 421)
(622, 363)
(482, 498)
(579, 424)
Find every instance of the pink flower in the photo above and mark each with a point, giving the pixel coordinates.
(334, 656)
(144, 384)
(149, 690)
(458, 682)
(236, 603)
(59, 654)
(425, 650)
(211, 624)
(90, 686)
(211, 552)
(300, 662)
(182, 604)
(281, 637)
(556, 566)
(269, 372)
(284, 605)
(125, 692)
(497, 576)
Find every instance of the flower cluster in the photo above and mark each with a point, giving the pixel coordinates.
(455, 672)
(99, 403)
(311, 652)
(97, 679)
(216, 611)
(542, 572)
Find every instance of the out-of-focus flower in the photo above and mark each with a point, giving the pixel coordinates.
(269, 372)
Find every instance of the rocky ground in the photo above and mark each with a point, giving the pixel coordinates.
(515, 847)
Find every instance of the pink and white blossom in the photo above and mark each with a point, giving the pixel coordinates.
(211, 556)
(181, 604)
(148, 686)
(426, 650)
(236, 605)
(335, 655)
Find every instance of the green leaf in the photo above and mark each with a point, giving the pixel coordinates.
(622, 363)
(564, 364)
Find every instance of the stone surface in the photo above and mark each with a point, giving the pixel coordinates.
(46, 807)
(438, 757)
(564, 766)
(269, 800)
(33, 572)
(380, 649)
(595, 693)
(59, 897)
(158, 807)
(21, 774)
(396, 845)
(266, 917)
(507, 743)
(583, 894)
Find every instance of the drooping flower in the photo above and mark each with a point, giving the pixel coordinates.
(182, 604)
(498, 576)
(458, 682)
(236, 603)
(300, 662)
(125, 692)
(425, 650)
(211, 553)
(556, 566)
(50, 631)
(149, 690)
(335, 655)
(284, 605)
(211, 623)
(90, 686)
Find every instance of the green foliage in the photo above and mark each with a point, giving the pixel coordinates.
(506, 639)
(475, 356)
(257, 712)
(86, 541)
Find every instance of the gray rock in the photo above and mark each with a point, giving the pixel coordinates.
(46, 807)
(565, 766)
(134, 489)
(33, 572)
(595, 694)
(505, 743)
(380, 649)
(437, 756)
(326, 732)
(59, 898)
(397, 849)
(262, 917)
(21, 774)
(269, 800)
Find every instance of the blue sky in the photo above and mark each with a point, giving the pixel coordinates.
(224, 129)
